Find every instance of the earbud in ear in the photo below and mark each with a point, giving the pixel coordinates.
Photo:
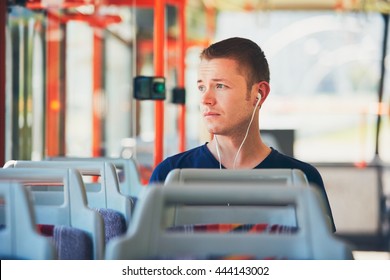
(258, 98)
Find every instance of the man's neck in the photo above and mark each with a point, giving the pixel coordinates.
(251, 154)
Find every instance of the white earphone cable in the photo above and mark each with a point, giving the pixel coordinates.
(242, 143)
(246, 134)
(219, 155)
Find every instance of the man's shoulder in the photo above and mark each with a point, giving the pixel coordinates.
(280, 160)
(188, 159)
(186, 155)
(277, 159)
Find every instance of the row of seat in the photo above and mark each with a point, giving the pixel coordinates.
(62, 197)
(59, 199)
(104, 193)
(164, 215)
(18, 236)
(153, 233)
(127, 169)
(192, 214)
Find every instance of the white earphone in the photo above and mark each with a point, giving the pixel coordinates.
(259, 96)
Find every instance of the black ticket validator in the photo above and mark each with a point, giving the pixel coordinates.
(149, 88)
(179, 95)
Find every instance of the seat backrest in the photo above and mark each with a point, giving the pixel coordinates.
(99, 195)
(114, 223)
(72, 243)
(64, 204)
(192, 214)
(146, 237)
(277, 176)
(129, 178)
(19, 238)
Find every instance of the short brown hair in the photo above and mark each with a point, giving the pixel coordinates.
(247, 54)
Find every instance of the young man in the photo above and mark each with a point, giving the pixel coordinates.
(233, 81)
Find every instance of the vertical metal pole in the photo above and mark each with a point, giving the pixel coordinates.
(96, 95)
(158, 40)
(62, 90)
(53, 89)
(3, 14)
(381, 81)
(181, 74)
(383, 217)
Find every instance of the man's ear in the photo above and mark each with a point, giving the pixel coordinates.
(263, 91)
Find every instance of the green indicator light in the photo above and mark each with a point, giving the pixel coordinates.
(159, 87)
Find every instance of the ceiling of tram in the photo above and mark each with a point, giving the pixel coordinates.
(365, 5)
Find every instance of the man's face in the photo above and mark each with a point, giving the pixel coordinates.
(225, 106)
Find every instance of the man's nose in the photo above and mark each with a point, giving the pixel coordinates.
(208, 97)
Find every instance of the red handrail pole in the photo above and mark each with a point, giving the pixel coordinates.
(96, 95)
(181, 73)
(158, 39)
(3, 14)
(53, 88)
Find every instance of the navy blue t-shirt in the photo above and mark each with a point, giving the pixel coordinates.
(201, 157)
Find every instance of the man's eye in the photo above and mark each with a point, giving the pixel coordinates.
(220, 86)
(202, 88)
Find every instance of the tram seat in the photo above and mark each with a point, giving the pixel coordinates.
(65, 204)
(71, 243)
(114, 223)
(19, 238)
(129, 177)
(148, 237)
(195, 214)
(102, 194)
(270, 176)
